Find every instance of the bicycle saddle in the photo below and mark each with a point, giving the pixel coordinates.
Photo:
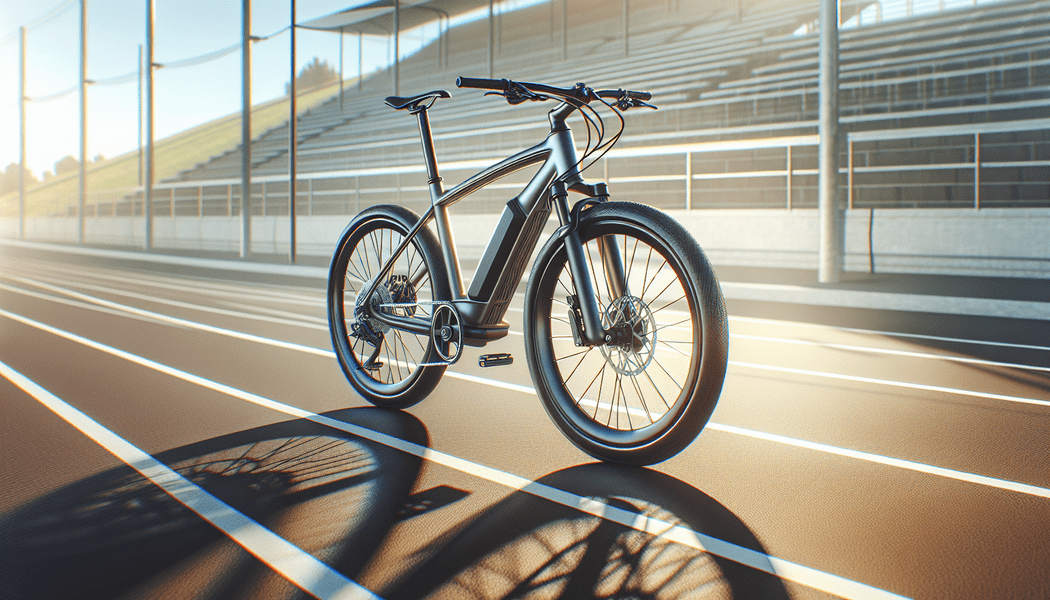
(415, 103)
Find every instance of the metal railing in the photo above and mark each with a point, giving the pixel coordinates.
(945, 131)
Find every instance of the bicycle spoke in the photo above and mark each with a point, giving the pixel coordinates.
(662, 327)
(582, 358)
(671, 303)
(572, 355)
(641, 399)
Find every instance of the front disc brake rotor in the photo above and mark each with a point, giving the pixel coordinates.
(635, 343)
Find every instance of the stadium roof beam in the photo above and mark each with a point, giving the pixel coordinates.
(391, 16)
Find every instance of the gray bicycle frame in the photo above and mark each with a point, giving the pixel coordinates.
(559, 159)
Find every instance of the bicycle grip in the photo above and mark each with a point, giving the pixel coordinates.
(482, 84)
(643, 96)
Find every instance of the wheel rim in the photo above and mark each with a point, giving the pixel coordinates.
(629, 393)
(401, 353)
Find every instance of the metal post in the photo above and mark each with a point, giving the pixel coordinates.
(147, 208)
(977, 171)
(246, 128)
(22, 132)
(293, 142)
(790, 178)
(340, 69)
(397, 47)
(140, 115)
(492, 58)
(83, 120)
(849, 173)
(831, 221)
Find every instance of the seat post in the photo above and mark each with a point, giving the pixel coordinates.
(427, 139)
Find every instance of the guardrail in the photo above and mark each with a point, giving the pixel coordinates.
(976, 165)
(220, 197)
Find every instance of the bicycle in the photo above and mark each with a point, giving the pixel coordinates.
(616, 282)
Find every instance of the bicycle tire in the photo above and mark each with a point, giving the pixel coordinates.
(397, 378)
(650, 242)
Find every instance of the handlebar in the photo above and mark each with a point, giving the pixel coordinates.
(578, 92)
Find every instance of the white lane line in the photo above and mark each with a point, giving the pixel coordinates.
(514, 387)
(907, 353)
(288, 345)
(872, 332)
(192, 324)
(919, 336)
(298, 321)
(900, 384)
(259, 292)
(288, 560)
(819, 580)
(77, 303)
(914, 466)
(1003, 484)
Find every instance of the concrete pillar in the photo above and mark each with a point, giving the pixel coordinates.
(831, 216)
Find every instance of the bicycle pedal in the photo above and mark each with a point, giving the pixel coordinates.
(495, 360)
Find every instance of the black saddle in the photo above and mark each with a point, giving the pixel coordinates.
(416, 103)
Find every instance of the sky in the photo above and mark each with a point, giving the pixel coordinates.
(185, 96)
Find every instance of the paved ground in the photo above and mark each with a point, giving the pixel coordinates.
(173, 431)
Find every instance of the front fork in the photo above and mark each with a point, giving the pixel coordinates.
(584, 312)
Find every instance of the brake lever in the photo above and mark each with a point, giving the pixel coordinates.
(518, 94)
(627, 102)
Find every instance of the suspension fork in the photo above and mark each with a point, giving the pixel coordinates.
(586, 304)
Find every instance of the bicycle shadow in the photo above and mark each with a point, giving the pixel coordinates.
(116, 534)
(529, 547)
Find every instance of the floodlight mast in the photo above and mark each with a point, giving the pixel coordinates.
(83, 121)
(293, 139)
(147, 208)
(246, 128)
(22, 133)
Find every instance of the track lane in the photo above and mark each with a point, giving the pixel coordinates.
(490, 437)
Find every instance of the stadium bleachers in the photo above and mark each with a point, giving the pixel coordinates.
(737, 72)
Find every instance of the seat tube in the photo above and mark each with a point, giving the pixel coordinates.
(441, 218)
(427, 139)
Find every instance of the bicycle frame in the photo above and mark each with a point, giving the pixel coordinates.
(485, 302)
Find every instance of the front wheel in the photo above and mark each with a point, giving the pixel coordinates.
(646, 394)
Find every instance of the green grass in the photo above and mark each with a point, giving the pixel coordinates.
(113, 178)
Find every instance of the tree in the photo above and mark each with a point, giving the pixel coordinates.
(315, 74)
(67, 165)
(9, 178)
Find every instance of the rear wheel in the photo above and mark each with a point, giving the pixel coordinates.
(644, 395)
(384, 364)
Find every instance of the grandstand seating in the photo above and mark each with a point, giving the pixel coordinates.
(731, 72)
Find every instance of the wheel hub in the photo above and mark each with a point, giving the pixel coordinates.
(381, 296)
(631, 335)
